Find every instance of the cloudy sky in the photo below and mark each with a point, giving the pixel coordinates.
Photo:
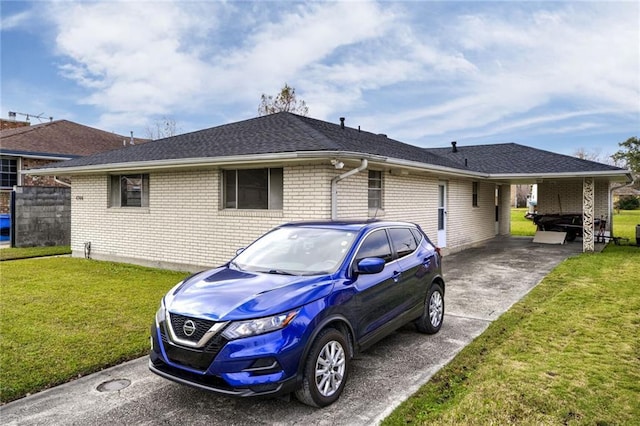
(560, 76)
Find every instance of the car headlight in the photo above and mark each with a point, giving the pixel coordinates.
(160, 314)
(257, 326)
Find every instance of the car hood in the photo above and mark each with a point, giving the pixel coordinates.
(225, 294)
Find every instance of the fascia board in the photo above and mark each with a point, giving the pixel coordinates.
(187, 163)
(19, 154)
(623, 174)
(159, 165)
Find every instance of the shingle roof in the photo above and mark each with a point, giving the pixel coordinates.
(275, 133)
(289, 133)
(512, 158)
(61, 138)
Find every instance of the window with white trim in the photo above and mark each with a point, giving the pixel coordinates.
(8, 172)
(375, 189)
(257, 189)
(129, 190)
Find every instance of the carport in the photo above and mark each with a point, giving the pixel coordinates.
(591, 196)
(565, 184)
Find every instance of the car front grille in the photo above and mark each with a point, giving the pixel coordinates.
(199, 359)
(201, 327)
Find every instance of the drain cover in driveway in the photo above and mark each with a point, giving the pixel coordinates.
(113, 385)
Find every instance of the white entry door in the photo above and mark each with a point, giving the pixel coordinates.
(442, 214)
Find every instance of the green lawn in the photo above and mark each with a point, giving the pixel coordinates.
(62, 317)
(28, 252)
(624, 224)
(568, 353)
(521, 226)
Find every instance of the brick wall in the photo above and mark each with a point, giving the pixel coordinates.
(5, 201)
(185, 227)
(566, 197)
(29, 180)
(466, 224)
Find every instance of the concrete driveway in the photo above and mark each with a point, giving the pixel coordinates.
(481, 284)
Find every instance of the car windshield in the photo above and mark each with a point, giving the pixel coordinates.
(297, 251)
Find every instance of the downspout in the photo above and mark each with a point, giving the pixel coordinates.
(610, 203)
(55, 179)
(334, 186)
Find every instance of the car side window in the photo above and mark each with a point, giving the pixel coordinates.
(375, 244)
(403, 241)
(417, 235)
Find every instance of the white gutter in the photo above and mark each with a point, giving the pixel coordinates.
(610, 207)
(561, 175)
(334, 186)
(55, 179)
(185, 163)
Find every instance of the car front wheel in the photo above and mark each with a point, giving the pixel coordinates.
(433, 313)
(326, 369)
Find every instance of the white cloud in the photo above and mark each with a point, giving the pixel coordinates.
(572, 60)
(14, 21)
(417, 71)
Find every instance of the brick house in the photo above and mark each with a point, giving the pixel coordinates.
(191, 200)
(24, 147)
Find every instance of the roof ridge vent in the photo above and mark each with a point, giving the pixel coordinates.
(342, 122)
(454, 147)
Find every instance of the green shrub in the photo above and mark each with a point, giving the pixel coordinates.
(628, 202)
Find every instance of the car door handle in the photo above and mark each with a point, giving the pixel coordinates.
(396, 276)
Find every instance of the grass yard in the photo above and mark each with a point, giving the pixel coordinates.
(63, 317)
(568, 353)
(28, 252)
(521, 226)
(624, 224)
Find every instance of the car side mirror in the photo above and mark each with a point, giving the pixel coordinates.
(370, 265)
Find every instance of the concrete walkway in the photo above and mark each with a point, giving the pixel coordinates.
(481, 284)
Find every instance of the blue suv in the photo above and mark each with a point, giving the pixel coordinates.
(290, 311)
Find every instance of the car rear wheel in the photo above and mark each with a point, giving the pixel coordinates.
(433, 313)
(326, 369)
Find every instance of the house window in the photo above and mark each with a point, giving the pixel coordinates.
(253, 189)
(129, 191)
(474, 197)
(8, 172)
(375, 189)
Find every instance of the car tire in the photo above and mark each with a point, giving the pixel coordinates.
(326, 369)
(433, 313)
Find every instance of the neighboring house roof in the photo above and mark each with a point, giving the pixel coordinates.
(289, 136)
(60, 139)
(626, 191)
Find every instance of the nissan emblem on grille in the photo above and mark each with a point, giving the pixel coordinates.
(189, 328)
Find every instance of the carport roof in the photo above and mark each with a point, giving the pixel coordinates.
(511, 158)
(285, 136)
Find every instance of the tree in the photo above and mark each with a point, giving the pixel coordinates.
(522, 192)
(162, 129)
(594, 155)
(629, 157)
(286, 100)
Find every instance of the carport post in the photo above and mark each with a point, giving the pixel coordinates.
(587, 215)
